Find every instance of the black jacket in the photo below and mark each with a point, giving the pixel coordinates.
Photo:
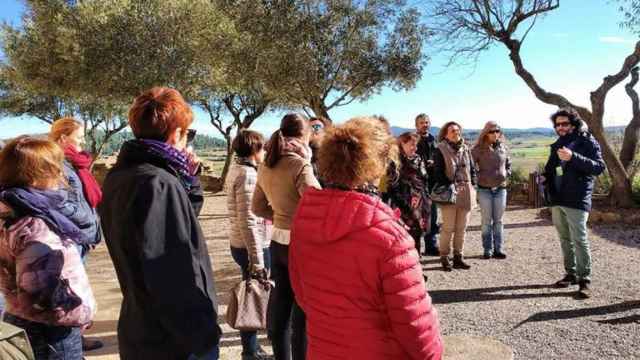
(159, 252)
(409, 193)
(578, 174)
(426, 150)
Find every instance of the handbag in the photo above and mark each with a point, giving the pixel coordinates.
(247, 308)
(444, 194)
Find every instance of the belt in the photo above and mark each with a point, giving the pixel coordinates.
(491, 188)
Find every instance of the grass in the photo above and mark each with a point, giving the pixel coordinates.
(527, 153)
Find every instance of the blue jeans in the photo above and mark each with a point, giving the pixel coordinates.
(571, 225)
(431, 238)
(50, 342)
(249, 339)
(492, 206)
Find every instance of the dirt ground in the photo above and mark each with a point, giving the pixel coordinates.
(509, 300)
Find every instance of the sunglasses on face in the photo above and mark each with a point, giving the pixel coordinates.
(497, 131)
(317, 128)
(563, 124)
(191, 135)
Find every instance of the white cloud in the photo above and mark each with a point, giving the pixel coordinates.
(614, 40)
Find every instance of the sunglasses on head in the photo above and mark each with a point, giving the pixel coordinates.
(317, 127)
(563, 124)
(496, 131)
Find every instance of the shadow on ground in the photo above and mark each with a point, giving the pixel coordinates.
(623, 234)
(584, 312)
(494, 294)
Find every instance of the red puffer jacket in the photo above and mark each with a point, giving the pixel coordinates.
(355, 273)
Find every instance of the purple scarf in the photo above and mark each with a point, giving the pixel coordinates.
(45, 205)
(175, 159)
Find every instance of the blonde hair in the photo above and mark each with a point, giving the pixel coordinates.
(356, 152)
(482, 138)
(27, 162)
(63, 126)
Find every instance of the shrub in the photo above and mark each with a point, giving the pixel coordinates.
(518, 176)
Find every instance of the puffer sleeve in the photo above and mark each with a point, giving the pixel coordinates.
(414, 320)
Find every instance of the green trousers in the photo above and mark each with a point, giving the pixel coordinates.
(571, 225)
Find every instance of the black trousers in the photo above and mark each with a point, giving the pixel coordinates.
(416, 234)
(285, 319)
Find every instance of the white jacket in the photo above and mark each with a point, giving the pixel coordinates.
(247, 230)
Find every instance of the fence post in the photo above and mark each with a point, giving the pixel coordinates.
(536, 199)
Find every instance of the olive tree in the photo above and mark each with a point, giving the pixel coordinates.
(466, 28)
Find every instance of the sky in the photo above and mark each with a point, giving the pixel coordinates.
(569, 52)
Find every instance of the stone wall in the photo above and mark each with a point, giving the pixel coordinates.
(209, 181)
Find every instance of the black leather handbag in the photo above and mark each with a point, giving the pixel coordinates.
(444, 194)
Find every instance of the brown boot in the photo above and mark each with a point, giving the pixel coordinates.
(446, 265)
(458, 263)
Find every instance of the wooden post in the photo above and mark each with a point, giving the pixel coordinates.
(536, 197)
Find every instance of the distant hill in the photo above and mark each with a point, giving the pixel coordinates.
(510, 133)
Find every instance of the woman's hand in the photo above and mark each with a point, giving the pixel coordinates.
(194, 160)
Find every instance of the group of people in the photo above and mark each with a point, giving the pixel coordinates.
(334, 215)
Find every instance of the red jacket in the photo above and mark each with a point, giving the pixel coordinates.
(355, 273)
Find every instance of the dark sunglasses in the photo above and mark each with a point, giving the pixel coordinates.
(191, 135)
(497, 131)
(563, 124)
(317, 127)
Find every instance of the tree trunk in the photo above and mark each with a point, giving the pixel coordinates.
(632, 131)
(319, 108)
(227, 160)
(621, 190)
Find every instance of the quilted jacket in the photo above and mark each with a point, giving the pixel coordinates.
(247, 231)
(355, 273)
(42, 276)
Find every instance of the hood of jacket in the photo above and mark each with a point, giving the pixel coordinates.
(325, 216)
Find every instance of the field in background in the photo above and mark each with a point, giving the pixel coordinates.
(214, 160)
(526, 153)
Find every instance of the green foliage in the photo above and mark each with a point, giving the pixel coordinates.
(114, 49)
(326, 53)
(518, 176)
(200, 143)
(631, 12)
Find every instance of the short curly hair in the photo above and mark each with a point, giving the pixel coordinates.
(355, 153)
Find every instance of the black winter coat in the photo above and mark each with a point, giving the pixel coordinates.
(578, 174)
(409, 193)
(159, 252)
(426, 150)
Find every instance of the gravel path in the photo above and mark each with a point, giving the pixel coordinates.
(510, 300)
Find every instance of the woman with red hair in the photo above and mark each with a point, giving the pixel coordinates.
(44, 284)
(84, 193)
(152, 198)
(354, 268)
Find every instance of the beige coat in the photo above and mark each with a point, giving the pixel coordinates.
(247, 230)
(280, 188)
(458, 167)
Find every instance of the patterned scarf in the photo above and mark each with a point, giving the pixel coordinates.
(45, 205)
(175, 159)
